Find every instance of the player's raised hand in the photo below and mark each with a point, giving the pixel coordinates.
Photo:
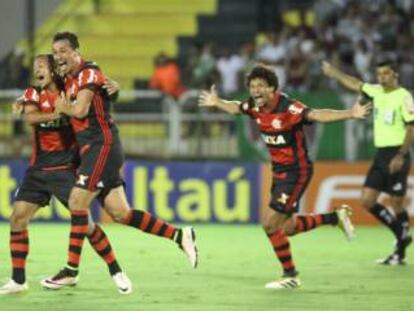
(18, 107)
(209, 98)
(111, 86)
(361, 111)
(328, 69)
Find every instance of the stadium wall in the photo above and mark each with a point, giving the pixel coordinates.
(218, 192)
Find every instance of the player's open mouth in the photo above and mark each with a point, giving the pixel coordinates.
(40, 78)
(62, 64)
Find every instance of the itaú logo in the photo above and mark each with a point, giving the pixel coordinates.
(349, 187)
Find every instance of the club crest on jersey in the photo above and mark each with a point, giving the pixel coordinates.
(274, 140)
(277, 124)
(46, 104)
(295, 109)
(82, 180)
(283, 198)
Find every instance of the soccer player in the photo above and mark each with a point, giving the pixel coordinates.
(393, 136)
(280, 120)
(51, 172)
(101, 161)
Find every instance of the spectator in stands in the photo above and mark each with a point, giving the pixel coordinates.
(202, 66)
(166, 76)
(297, 70)
(15, 75)
(229, 66)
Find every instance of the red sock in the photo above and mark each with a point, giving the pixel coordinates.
(19, 249)
(78, 231)
(150, 224)
(281, 247)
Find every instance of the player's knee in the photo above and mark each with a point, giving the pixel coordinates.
(367, 202)
(118, 214)
(270, 227)
(19, 221)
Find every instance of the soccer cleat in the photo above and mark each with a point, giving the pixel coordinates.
(288, 282)
(402, 244)
(123, 283)
(11, 287)
(65, 277)
(344, 213)
(392, 260)
(188, 245)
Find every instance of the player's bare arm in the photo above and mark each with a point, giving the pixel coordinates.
(397, 161)
(78, 110)
(350, 82)
(358, 111)
(211, 99)
(33, 115)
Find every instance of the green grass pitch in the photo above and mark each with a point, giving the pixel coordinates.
(235, 262)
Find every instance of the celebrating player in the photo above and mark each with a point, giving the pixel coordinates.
(280, 120)
(393, 136)
(51, 172)
(101, 161)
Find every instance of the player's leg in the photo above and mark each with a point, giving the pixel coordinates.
(63, 182)
(116, 204)
(19, 246)
(79, 202)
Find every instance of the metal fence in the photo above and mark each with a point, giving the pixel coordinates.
(151, 126)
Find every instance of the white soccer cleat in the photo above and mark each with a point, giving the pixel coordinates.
(284, 283)
(344, 213)
(188, 245)
(62, 279)
(123, 283)
(11, 287)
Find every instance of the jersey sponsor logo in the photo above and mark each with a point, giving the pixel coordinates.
(82, 180)
(295, 108)
(277, 124)
(274, 140)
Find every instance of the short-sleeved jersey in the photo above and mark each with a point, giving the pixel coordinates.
(97, 126)
(281, 127)
(392, 111)
(54, 145)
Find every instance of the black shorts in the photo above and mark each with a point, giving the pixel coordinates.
(38, 186)
(288, 188)
(380, 179)
(100, 168)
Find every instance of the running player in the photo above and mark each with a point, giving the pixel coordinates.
(101, 161)
(393, 136)
(51, 172)
(280, 120)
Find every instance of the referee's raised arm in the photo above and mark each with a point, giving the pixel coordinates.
(350, 82)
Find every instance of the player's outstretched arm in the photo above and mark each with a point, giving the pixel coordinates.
(358, 111)
(211, 99)
(350, 82)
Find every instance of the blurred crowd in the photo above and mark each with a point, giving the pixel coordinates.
(351, 34)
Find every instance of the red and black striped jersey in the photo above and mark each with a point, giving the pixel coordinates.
(281, 127)
(53, 144)
(97, 126)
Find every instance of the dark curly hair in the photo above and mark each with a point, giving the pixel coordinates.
(264, 72)
(70, 36)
